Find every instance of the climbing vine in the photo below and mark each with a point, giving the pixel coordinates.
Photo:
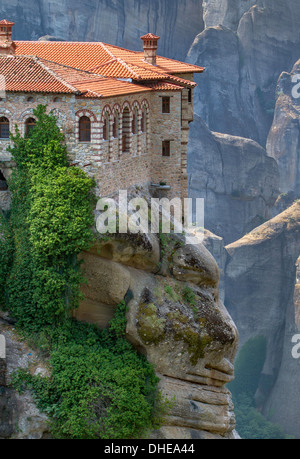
(98, 386)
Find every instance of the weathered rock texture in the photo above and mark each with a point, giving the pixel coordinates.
(176, 319)
(284, 137)
(244, 54)
(237, 179)
(260, 279)
(19, 416)
(119, 22)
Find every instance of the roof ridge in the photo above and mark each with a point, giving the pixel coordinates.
(121, 61)
(60, 79)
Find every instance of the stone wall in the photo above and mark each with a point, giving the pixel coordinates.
(104, 159)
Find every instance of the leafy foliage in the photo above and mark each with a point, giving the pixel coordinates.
(99, 386)
(50, 223)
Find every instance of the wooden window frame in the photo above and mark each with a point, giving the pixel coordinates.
(30, 123)
(85, 129)
(4, 123)
(166, 104)
(166, 148)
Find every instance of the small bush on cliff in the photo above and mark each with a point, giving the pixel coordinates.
(99, 386)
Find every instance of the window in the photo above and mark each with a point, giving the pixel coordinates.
(166, 148)
(126, 131)
(143, 121)
(166, 104)
(30, 99)
(4, 128)
(190, 96)
(29, 126)
(134, 122)
(84, 129)
(106, 127)
(56, 99)
(116, 126)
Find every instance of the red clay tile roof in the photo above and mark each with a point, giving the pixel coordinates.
(31, 74)
(6, 22)
(27, 74)
(93, 85)
(105, 59)
(150, 36)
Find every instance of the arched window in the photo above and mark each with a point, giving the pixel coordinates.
(29, 126)
(116, 126)
(106, 127)
(84, 129)
(4, 128)
(126, 130)
(30, 99)
(143, 120)
(134, 122)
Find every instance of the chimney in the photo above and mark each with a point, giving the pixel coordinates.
(150, 47)
(7, 47)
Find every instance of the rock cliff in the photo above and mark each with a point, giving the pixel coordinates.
(260, 278)
(237, 179)
(116, 22)
(175, 317)
(244, 54)
(284, 137)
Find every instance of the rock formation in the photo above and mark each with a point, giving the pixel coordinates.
(284, 138)
(175, 318)
(19, 416)
(260, 277)
(237, 179)
(119, 22)
(243, 62)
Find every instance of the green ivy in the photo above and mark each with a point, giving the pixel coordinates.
(50, 224)
(98, 385)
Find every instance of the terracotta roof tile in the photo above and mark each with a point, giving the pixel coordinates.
(27, 74)
(105, 59)
(93, 85)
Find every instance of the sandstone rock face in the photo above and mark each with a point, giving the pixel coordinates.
(19, 416)
(215, 245)
(176, 319)
(237, 179)
(284, 138)
(260, 279)
(239, 98)
(225, 12)
(117, 22)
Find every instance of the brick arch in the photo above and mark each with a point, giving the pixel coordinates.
(117, 108)
(106, 110)
(126, 104)
(88, 113)
(5, 113)
(28, 113)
